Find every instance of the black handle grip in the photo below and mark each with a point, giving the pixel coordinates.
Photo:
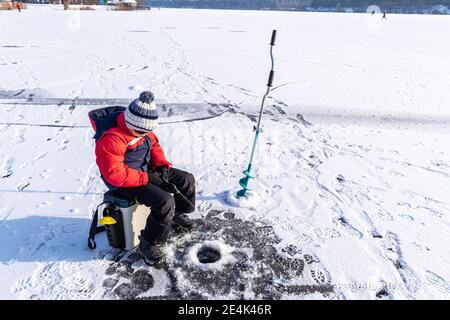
(269, 84)
(274, 36)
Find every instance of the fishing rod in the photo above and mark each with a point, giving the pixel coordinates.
(86, 127)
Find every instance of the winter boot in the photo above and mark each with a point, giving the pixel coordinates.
(150, 253)
(182, 222)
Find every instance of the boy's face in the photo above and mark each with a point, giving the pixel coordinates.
(137, 133)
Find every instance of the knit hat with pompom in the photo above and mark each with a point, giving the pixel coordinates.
(141, 114)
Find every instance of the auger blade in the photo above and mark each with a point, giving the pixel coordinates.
(247, 174)
(241, 193)
(244, 183)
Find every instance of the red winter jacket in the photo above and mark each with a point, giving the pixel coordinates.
(111, 149)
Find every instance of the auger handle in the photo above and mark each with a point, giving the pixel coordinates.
(274, 36)
(269, 84)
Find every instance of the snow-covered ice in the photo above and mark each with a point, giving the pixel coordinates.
(352, 167)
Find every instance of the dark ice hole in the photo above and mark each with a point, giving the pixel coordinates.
(208, 255)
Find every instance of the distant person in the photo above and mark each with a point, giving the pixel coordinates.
(19, 6)
(384, 15)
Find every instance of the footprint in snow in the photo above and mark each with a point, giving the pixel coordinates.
(63, 145)
(295, 266)
(310, 259)
(11, 108)
(44, 204)
(437, 282)
(303, 239)
(406, 217)
(384, 215)
(145, 67)
(383, 292)
(327, 233)
(23, 185)
(19, 136)
(392, 251)
(6, 169)
(348, 228)
(38, 157)
(291, 250)
(43, 176)
(320, 276)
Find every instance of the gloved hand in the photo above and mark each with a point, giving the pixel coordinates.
(155, 178)
(164, 171)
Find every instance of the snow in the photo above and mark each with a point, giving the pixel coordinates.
(352, 166)
(121, 1)
(250, 200)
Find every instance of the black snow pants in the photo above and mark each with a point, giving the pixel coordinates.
(163, 204)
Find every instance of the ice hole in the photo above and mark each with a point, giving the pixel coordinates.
(207, 254)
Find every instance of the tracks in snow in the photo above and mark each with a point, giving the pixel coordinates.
(353, 209)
